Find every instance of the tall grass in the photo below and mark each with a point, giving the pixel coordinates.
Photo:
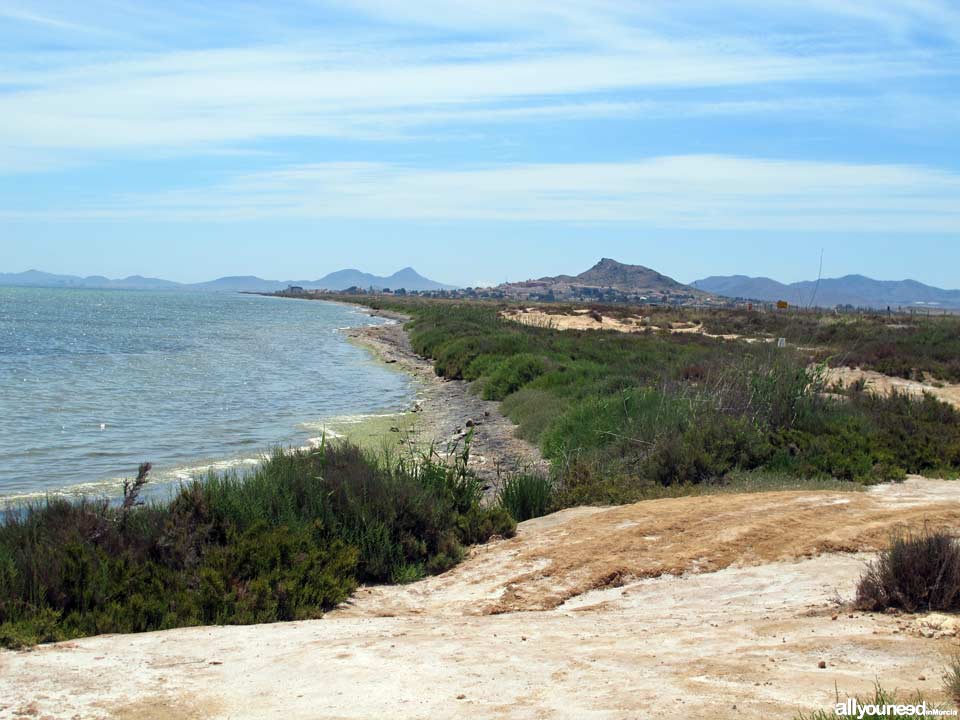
(526, 496)
(288, 541)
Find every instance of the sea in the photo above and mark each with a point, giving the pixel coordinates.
(95, 382)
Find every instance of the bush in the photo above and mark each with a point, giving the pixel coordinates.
(511, 374)
(920, 571)
(526, 496)
(533, 410)
(951, 678)
(482, 523)
(288, 541)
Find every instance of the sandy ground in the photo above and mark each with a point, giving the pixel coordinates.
(585, 320)
(886, 385)
(719, 606)
(446, 411)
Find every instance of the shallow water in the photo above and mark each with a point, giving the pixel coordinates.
(94, 382)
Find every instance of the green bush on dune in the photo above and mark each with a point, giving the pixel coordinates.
(286, 542)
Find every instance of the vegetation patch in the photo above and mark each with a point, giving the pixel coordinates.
(285, 542)
(526, 496)
(620, 415)
(918, 572)
(951, 678)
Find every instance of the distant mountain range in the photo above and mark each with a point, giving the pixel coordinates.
(408, 279)
(608, 279)
(855, 290)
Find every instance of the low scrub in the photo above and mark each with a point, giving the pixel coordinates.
(951, 678)
(619, 415)
(526, 496)
(919, 572)
(286, 542)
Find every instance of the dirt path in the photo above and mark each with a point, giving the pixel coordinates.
(446, 410)
(718, 606)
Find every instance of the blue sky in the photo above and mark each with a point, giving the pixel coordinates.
(479, 141)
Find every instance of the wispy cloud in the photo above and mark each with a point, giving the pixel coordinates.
(377, 75)
(677, 192)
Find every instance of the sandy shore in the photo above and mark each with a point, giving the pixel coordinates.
(720, 606)
(445, 411)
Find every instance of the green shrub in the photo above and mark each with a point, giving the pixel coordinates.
(533, 410)
(288, 541)
(512, 373)
(479, 524)
(526, 496)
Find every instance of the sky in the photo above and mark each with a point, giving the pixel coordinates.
(480, 141)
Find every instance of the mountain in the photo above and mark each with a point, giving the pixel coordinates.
(36, 278)
(608, 280)
(855, 290)
(240, 283)
(634, 278)
(407, 278)
(410, 279)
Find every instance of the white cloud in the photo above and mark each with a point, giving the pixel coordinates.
(524, 59)
(676, 192)
(230, 96)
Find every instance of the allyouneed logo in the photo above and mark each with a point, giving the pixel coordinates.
(853, 709)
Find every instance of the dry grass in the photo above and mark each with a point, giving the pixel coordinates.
(918, 572)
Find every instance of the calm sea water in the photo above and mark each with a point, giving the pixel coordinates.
(94, 382)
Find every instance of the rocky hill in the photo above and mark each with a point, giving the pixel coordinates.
(607, 281)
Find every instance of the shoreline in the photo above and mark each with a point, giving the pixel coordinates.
(439, 419)
(166, 479)
(444, 411)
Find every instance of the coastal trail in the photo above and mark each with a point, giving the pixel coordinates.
(711, 606)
